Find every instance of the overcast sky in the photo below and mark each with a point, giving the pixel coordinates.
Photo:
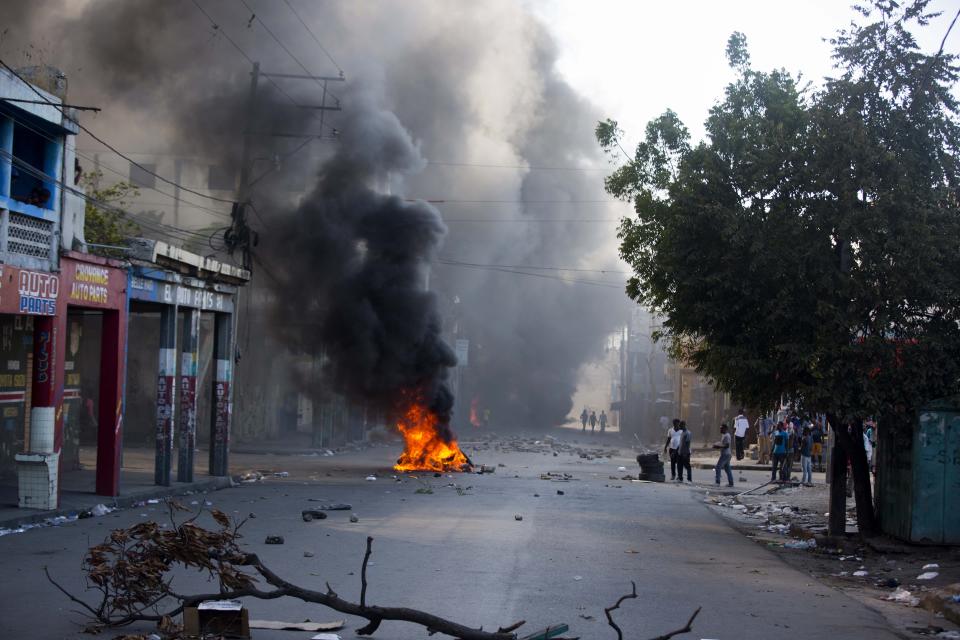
(635, 58)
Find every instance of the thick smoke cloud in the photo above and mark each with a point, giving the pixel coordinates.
(360, 258)
(472, 84)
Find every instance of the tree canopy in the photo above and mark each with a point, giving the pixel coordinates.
(810, 245)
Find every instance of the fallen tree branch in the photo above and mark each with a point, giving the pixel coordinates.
(633, 594)
(129, 569)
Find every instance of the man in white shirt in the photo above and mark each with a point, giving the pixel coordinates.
(740, 427)
(672, 444)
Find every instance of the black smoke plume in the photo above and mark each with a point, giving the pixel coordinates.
(358, 285)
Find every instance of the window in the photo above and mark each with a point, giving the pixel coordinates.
(35, 155)
(143, 177)
(221, 178)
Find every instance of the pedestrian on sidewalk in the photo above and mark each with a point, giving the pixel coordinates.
(683, 453)
(593, 421)
(816, 450)
(583, 419)
(764, 429)
(787, 468)
(603, 422)
(779, 451)
(672, 445)
(740, 427)
(723, 463)
(806, 458)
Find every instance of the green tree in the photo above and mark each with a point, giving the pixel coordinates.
(108, 225)
(810, 246)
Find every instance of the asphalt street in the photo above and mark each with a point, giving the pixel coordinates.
(456, 549)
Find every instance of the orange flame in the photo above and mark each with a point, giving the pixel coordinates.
(474, 413)
(424, 449)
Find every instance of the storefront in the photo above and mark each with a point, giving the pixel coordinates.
(38, 390)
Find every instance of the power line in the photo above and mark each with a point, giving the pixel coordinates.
(314, 36)
(596, 283)
(105, 143)
(285, 48)
(80, 154)
(512, 166)
(219, 29)
(157, 227)
(521, 266)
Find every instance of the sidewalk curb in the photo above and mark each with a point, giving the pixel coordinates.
(123, 502)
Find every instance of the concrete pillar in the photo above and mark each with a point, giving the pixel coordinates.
(166, 394)
(222, 401)
(189, 356)
(6, 145)
(38, 467)
(110, 418)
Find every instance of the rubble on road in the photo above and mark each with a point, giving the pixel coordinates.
(273, 540)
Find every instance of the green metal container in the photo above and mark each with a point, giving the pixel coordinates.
(919, 477)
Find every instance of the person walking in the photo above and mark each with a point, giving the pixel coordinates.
(806, 458)
(583, 419)
(764, 429)
(816, 450)
(787, 467)
(672, 445)
(779, 451)
(723, 462)
(603, 421)
(593, 421)
(683, 453)
(740, 427)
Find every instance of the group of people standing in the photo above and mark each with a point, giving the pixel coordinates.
(592, 418)
(791, 440)
(678, 444)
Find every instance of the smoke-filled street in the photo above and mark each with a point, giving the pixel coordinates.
(453, 546)
(482, 320)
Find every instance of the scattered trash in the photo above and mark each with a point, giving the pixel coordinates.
(424, 490)
(928, 567)
(100, 510)
(928, 575)
(631, 551)
(312, 514)
(325, 636)
(281, 474)
(578, 578)
(371, 478)
(278, 625)
(801, 544)
(273, 540)
(903, 596)
(308, 554)
(560, 493)
(354, 518)
(859, 574)
(252, 476)
(621, 468)
(518, 517)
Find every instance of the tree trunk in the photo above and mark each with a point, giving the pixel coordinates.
(837, 524)
(852, 443)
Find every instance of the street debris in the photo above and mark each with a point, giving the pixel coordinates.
(99, 510)
(903, 596)
(312, 514)
(928, 575)
(279, 625)
(518, 517)
(371, 478)
(273, 540)
(330, 506)
(308, 554)
(354, 518)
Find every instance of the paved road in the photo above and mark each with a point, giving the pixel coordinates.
(466, 557)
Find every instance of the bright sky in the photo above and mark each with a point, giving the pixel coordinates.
(635, 58)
